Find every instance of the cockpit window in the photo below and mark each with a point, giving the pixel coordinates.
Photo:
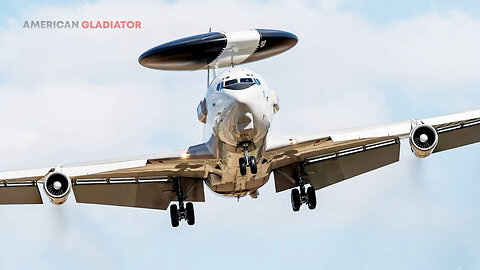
(246, 80)
(230, 82)
(241, 84)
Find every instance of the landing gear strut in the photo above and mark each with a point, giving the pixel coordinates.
(182, 211)
(247, 161)
(301, 196)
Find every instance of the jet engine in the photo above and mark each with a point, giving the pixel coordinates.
(423, 140)
(57, 186)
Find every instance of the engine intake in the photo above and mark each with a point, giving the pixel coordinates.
(57, 186)
(423, 140)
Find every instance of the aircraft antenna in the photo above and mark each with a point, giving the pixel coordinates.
(208, 68)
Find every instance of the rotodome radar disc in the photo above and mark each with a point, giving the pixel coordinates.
(218, 49)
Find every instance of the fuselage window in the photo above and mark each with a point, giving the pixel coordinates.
(219, 86)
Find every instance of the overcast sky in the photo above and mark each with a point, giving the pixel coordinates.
(73, 95)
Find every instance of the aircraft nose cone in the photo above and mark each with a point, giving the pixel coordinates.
(244, 121)
(240, 102)
(242, 106)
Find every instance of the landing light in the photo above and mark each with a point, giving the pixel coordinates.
(293, 141)
(185, 155)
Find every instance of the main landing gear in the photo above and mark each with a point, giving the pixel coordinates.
(183, 211)
(299, 196)
(247, 161)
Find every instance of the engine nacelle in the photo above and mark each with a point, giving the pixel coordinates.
(423, 140)
(274, 98)
(57, 186)
(202, 111)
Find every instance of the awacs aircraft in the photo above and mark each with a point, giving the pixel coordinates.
(238, 155)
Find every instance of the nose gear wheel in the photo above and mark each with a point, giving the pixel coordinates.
(247, 161)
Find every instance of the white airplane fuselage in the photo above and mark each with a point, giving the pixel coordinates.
(238, 115)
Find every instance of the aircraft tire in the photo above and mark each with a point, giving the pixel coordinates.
(295, 199)
(190, 213)
(243, 166)
(253, 164)
(174, 215)
(312, 198)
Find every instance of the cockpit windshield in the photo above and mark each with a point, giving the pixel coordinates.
(246, 80)
(230, 82)
(238, 84)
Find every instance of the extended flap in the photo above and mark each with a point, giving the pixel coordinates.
(326, 172)
(154, 195)
(453, 138)
(22, 194)
(328, 169)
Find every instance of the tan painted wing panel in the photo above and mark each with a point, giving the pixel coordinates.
(163, 165)
(20, 195)
(157, 170)
(461, 136)
(330, 171)
(327, 162)
(155, 195)
(169, 164)
(323, 146)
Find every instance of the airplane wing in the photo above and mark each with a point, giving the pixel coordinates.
(144, 182)
(331, 157)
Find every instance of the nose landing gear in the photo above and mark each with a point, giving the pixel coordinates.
(183, 211)
(247, 161)
(301, 196)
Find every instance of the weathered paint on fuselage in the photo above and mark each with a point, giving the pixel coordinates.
(227, 125)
